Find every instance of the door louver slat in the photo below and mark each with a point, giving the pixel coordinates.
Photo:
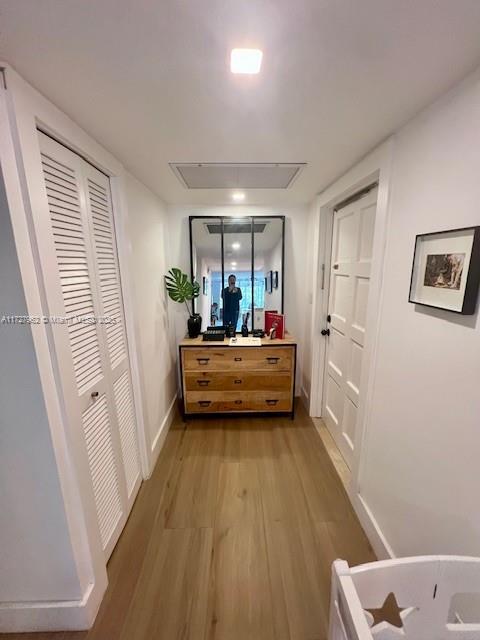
(69, 238)
(109, 278)
(96, 426)
(126, 425)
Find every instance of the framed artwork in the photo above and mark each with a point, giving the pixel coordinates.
(275, 279)
(204, 285)
(268, 282)
(446, 270)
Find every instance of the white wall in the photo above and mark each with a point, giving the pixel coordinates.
(36, 559)
(309, 283)
(421, 461)
(273, 262)
(418, 480)
(148, 236)
(295, 262)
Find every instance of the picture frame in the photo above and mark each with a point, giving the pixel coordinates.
(269, 282)
(275, 280)
(446, 270)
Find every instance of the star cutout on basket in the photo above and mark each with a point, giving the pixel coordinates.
(389, 612)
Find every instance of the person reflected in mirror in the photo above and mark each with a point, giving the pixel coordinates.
(231, 296)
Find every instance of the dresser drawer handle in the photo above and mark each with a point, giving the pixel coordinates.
(273, 359)
(237, 382)
(271, 403)
(237, 359)
(203, 360)
(204, 403)
(238, 402)
(203, 383)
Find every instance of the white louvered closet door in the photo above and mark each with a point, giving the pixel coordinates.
(100, 209)
(96, 384)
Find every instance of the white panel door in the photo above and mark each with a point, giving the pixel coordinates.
(96, 401)
(352, 243)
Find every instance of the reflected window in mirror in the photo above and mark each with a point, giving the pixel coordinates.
(237, 251)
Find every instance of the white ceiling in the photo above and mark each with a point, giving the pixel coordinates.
(150, 79)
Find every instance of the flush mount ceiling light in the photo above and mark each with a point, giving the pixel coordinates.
(236, 245)
(233, 264)
(245, 61)
(238, 196)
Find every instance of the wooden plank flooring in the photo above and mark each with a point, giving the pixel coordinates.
(231, 539)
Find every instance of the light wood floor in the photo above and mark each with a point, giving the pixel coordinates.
(231, 539)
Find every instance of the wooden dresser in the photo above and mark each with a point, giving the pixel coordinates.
(217, 378)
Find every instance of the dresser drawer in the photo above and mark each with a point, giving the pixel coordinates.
(238, 381)
(234, 401)
(236, 359)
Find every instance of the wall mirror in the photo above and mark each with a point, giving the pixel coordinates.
(252, 248)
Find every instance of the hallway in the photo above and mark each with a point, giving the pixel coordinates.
(232, 538)
(220, 208)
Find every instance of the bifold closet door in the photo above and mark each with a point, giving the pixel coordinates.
(102, 233)
(83, 290)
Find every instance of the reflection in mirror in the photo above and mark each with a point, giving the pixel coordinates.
(237, 249)
(221, 247)
(206, 238)
(268, 260)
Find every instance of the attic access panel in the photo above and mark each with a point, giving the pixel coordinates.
(213, 175)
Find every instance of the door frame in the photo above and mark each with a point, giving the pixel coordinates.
(376, 167)
(25, 111)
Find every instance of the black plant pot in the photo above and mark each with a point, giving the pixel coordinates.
(194, 326)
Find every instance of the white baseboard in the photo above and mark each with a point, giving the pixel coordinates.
(73, 615)
(375, 535)
(159, 441)
(377, 539)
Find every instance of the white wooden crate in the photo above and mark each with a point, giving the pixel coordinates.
(432, 592)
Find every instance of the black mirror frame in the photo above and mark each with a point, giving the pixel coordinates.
(251, 219)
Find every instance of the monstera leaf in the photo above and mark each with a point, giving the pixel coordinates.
(195, 289)
(180, 288)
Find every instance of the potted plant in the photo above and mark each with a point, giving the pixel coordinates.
(180, 289)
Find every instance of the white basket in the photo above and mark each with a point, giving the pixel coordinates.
(423, 587)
